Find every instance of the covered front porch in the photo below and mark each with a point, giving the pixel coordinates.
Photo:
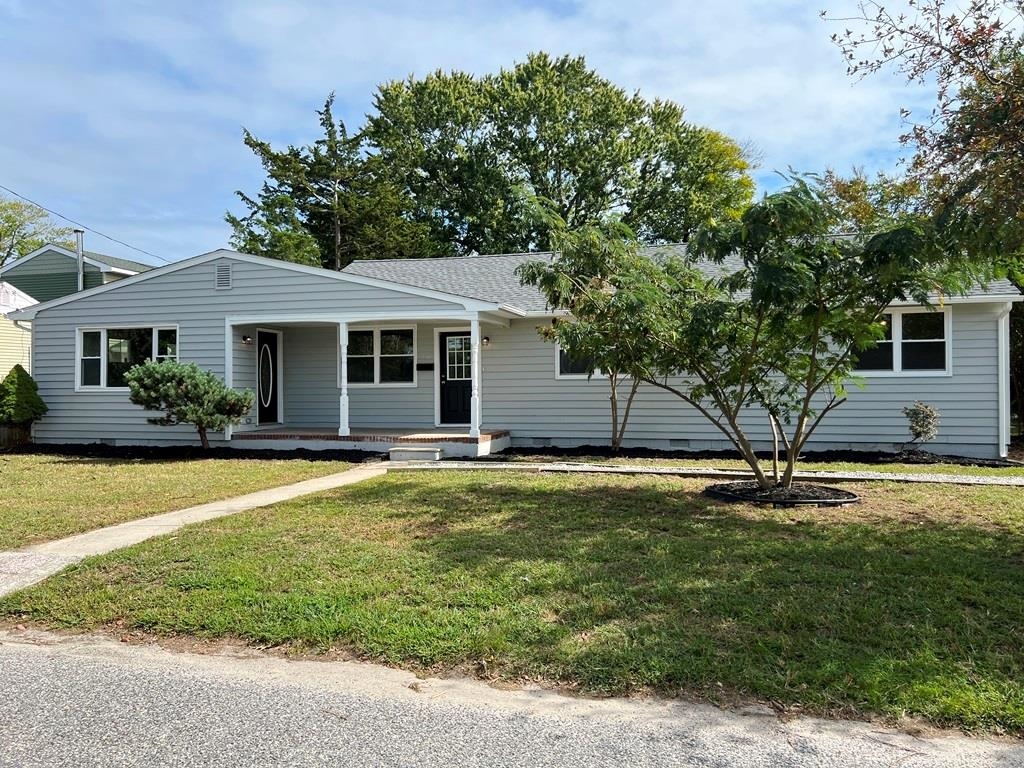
(363, 381)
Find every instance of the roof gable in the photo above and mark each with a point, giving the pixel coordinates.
(325, 274)
(12, 299)
(100, 261)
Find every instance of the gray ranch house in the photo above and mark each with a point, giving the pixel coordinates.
(445, 353)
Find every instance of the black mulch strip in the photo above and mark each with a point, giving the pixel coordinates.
(188, 452)
(863, 457)
(796, 495)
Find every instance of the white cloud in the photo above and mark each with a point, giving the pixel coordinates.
(128, 115)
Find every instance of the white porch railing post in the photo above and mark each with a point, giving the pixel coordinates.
(474, 400)
(229, 367)
(343, 430)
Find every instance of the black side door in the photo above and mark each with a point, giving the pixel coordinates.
(268, 386)
(456, 368)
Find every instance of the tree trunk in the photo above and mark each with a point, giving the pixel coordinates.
(203, 438)
(613, 399)
(775, 448)
(629, 407)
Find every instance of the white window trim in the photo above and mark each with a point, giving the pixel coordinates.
(897, 345)
(559, 376)
(377, 383)
(102, 330)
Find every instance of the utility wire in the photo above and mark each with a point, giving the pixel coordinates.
(83, 226)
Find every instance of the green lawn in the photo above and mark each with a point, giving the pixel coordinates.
(909, 603)
(47, 497)
(833, 466)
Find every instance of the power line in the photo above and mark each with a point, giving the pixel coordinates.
(83, 226)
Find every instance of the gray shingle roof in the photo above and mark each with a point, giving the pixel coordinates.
(118, 263)
(493, 278)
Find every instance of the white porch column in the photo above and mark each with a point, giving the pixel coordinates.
(474, 401)
(229, 366)
(343, 430)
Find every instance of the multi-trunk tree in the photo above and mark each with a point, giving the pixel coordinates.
(773, 319)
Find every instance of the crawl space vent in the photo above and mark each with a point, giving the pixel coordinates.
(223, 278)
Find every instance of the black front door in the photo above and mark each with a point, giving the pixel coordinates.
(456, 367)
(268, 385)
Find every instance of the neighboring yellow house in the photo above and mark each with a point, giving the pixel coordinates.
(15, 338)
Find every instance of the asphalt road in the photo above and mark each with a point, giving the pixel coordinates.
(96, 702)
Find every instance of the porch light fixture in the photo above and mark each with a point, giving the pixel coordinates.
(486, 341)
(247, 339)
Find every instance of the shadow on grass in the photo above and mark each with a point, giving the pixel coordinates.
(650, 585)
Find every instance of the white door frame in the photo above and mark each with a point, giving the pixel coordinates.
(279, 381)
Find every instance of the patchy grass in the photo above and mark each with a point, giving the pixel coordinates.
(910, 603)
(47, 497)
(830, 466)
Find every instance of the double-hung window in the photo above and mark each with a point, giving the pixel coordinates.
(916, 342)
(105, 355)
(382, 356)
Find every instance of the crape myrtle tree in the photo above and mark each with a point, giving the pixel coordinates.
(775, 318)
(187, 394)
(599, 324)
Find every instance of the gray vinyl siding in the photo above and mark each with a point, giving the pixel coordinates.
(187, 298)
(521, 394)
(50, 275)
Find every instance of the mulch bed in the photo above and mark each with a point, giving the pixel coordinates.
(862, 457)
(189, 452)
(799, 494)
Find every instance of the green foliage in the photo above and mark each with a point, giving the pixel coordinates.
(326, 204)
(472, 152)
(188, 395)
(923, 421)
(25, 227)
(602, 324)
(778, 325)
(969, 148)
(20, 402)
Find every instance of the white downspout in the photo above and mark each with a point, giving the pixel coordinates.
(1004, 379)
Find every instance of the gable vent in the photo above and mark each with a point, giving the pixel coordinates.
(222, 282)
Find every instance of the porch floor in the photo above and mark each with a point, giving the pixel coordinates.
(372, 435)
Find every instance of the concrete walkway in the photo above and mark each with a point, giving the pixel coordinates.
(717, 474)
(27, 566)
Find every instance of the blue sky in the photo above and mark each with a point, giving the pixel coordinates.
(127, 115)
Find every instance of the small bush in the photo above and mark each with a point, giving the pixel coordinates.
(187, 395)
(923, 421)
(20, 403)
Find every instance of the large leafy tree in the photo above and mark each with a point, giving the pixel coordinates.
(25, 227)
(778, 322)
(969, 149)
(328, 203)
(472, 152)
